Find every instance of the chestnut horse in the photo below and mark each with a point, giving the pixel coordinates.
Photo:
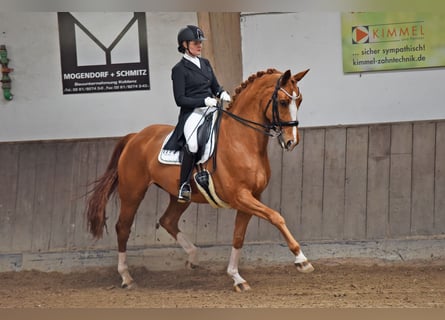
(265, 105)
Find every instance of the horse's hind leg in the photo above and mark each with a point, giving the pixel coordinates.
(170, 220)
(129, 205)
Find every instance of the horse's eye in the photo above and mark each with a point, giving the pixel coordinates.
(283, 103)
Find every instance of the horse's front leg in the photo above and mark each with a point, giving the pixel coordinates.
(249, 204)
(241, 222)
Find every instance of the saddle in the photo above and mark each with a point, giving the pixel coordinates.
(207, 140)
(207, 134)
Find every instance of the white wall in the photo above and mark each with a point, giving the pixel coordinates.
(40, 111)
(312, 40)
(293, 41)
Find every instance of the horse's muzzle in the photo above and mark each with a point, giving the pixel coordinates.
(288, 145)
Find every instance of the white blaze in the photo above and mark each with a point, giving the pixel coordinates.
(293, 109)
(294, 113)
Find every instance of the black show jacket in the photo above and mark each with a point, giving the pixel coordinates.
(191, 85)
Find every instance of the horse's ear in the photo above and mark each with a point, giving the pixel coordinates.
(285, 77)
(300, 75)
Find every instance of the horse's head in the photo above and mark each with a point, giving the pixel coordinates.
(282, 110)
(278, 97)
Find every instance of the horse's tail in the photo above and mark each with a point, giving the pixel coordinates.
(104, 188)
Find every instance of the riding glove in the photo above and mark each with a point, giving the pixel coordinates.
(210, 102)
(225, 96)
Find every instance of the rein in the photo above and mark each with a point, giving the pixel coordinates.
(251, 124)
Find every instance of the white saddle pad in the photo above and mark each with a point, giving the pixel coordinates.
(172, 157)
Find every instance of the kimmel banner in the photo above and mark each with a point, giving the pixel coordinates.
(374, 41)
(103, 52)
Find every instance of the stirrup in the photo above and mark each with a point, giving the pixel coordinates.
(185, 192)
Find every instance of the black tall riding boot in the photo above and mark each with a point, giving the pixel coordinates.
(185, 190)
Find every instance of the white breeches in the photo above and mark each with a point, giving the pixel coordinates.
(191, 127)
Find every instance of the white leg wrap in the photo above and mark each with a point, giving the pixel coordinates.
(300, 258)
(232, 269)
(122, 268)
(122, 264)
(188, 247)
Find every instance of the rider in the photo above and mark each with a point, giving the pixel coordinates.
(195, 89)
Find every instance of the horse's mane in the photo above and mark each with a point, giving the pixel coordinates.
(249, 80)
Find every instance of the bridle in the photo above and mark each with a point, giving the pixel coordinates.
(275, 127)
(276, 123)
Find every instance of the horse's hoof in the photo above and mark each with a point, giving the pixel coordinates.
(305, 267)
(129, 286)
(241, 287)
(190, 265)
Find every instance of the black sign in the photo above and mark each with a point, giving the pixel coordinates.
(89, 65)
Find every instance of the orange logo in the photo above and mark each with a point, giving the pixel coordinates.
(360, 34)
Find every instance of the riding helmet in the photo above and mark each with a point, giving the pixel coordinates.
(189, 33)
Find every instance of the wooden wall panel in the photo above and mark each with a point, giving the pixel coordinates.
(22, 226)
(312, 203)
(62, 200)
(334, 183)
(400, 180)
(78, 234)
(291, 193)
(226, 223)
(206, 224)
(378, 182)
(9, 160)
(439, 191)
(252, 233)
(43, 197)
(340, 183)
(189, 220)
(356, 183)
(422, 220)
